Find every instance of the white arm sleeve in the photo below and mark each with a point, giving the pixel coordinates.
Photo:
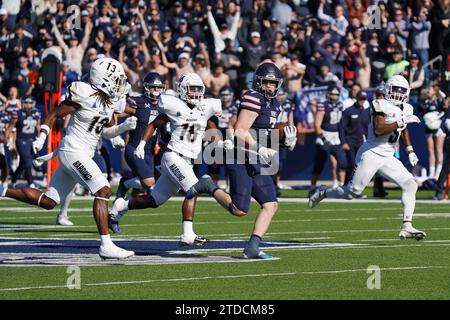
(114, 131)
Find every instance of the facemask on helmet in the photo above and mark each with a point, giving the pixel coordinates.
(191, 89)
(268, 80)
(108, 75)
(28, 103)
(397, 90)
(153, 86)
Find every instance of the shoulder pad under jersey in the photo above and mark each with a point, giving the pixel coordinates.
(215, 105)
(79, 92)
(381, 105)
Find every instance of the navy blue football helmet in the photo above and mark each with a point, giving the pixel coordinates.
(267, 72)
(153, 80)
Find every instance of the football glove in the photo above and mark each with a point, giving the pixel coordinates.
(267, 154)
(117, 142)
(38, 144)
(413, 159)
(140, 152)
(290, 137)
(225, 144)
(130, 123)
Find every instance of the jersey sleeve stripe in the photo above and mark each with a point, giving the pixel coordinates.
(250, 105)
(254, 99)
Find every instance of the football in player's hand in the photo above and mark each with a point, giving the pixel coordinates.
(280, 126)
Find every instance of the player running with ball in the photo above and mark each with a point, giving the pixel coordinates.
(390, 116)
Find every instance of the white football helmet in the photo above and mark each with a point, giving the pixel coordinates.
(190, 88)
(397, 90)
(108, 75)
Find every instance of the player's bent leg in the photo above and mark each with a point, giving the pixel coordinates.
(204, 185)
(29, 195)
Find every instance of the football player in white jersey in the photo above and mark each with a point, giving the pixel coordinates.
(189, 116)
(390, 116)
(91, 106)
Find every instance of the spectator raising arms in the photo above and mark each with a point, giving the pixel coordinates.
(75, 51)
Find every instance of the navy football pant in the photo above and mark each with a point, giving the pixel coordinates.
(245, 184)
(25, 150)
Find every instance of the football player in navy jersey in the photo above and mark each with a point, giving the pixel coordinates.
(328, 118)
(145, 109)
(230, 105)
(259, 110)
(286, 115)
(27, 123)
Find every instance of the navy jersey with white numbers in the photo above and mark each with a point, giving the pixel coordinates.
(146, 112)
(267, 110)
(332, 117)
(26, 123)
(285, 109)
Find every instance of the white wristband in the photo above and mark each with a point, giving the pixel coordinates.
(409, 148)
(46, 128)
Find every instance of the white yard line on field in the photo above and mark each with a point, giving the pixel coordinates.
(223, 277)
(293, 200)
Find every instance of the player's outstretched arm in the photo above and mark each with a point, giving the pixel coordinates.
(159, 121)
(65, 108)
(243, 125)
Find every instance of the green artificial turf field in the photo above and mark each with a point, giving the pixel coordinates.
(324, 253)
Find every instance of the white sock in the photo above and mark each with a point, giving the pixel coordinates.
(432, 172)
(335, 183)
(5, 187)
(409, 190)
(188, 228)
(106, 240)
(438, 170)
(407, 224)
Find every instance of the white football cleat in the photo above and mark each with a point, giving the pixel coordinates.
(117, 209)
(317, 196)
(63, 220)
(114, 252)
(409, 232)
